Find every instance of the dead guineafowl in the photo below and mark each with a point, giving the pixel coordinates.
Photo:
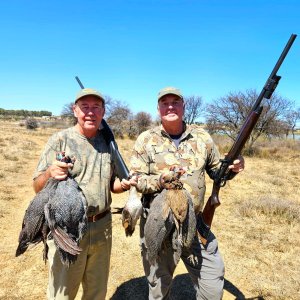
(67, 219)
(171, 219)
(34, 226)
(57, 212)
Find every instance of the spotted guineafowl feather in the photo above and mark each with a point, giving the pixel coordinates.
(66, 217)
(57, 212)
(34, 225)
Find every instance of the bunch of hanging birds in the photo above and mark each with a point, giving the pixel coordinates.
(58, 212)
(171, 218)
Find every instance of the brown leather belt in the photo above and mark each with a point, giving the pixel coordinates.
(98, 216)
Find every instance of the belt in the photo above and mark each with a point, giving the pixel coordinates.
(98, 216)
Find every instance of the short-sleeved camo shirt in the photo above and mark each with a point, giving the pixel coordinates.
(155, 152)
(92, 169)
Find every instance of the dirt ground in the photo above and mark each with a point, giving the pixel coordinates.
(261, 256)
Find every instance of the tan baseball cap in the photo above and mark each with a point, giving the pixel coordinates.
(169, 90)
(89, 92)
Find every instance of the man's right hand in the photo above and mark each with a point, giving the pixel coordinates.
(59, 170)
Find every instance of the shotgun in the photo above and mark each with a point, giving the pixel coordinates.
(121, 168)
(223, 174)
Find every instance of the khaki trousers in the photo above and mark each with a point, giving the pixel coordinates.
(91, 268)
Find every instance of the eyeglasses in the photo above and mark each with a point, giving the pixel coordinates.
(86, 109)
(173, 103)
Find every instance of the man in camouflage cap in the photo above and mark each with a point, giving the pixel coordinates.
(96, 177)
(156, 151)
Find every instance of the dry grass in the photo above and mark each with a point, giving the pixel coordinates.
(264, 148)
(257, 226)
(277, 210)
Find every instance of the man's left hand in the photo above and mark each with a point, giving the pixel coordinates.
(125, 185)
(238, 165)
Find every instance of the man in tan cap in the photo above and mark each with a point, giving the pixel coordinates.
(95, 175)
(189, 148)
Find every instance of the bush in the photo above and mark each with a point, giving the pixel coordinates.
(31, 124)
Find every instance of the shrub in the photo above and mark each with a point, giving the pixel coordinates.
(31, 124)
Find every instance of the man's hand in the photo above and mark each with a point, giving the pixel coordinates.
(171, 179)
(59, 170)
(134, 179)
(238, 165)
(125, 184)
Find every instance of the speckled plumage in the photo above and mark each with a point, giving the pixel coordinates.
(34, 225)
(58, 211)
(66, 217)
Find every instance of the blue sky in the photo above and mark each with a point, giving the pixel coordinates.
(131, 49)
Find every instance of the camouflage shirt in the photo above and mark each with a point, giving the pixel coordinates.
(155, 152)
(92, 169)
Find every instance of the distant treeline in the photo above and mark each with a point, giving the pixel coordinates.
(24, 113)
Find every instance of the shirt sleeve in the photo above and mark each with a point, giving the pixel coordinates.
(139, 164)
(213, 158)
(48, 155)
(213, 161)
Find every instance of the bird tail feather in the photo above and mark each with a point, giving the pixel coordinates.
(64, 241)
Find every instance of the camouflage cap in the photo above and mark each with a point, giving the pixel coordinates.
(169, 90)
(89, 92)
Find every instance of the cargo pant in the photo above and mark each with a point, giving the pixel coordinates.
(205, 267)
(91, 268)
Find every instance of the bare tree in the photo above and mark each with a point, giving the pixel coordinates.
(227, 114)
(143, 121)
(67, 113)
(131, 127)
(118, 117)
(110, 103)
(292, 117)
(193, 108)
(67, 110)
